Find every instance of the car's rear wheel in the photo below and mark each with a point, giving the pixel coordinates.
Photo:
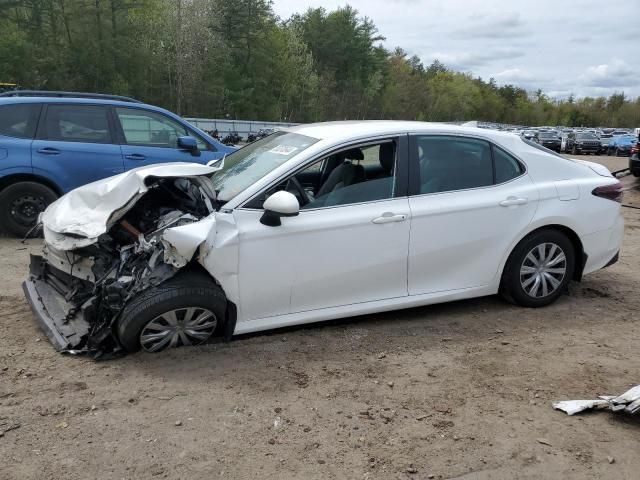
(539, 269)
(186, 310)
(20, 205)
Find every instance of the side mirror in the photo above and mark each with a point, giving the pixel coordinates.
(280, 204)
(190, 144)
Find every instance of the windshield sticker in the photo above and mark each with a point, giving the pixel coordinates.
(283, 149)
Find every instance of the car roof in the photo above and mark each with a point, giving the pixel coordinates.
(80, 101)
(353, 129)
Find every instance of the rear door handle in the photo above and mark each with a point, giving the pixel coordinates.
(135, 156)
(49, 151)
(389, 217)
(513, 202)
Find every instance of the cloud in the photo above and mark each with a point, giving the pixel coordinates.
(495, 26)
(580, 40)
(514, 75)
(616, 73)
(533, 45)
(469, 60)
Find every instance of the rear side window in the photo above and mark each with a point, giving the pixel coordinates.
(453, 163)
(77, 123)
(506, 167)
(19, 120)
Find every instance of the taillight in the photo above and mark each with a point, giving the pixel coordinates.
(635, 149)
(610, 192)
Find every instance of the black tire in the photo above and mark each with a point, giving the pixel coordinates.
(20, 205)
(635, 173)
(187, 289)
(511, 287)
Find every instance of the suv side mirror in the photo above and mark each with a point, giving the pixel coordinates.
(280, 204)
(190, 144)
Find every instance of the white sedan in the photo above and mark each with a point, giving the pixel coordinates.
(318, 222)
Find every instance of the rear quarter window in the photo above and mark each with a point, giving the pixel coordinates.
(506, 167)
(19, 120)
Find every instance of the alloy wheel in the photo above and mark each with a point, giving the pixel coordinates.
(179, 327)
(543, 270)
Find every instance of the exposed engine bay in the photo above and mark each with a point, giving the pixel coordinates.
(83, 290)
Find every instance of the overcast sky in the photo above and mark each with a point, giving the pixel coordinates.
(584, 47)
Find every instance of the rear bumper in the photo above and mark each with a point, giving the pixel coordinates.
(602, 248)
(551, 146)
(634, 163)
(60, 321)
(623, 150)
(588, 148)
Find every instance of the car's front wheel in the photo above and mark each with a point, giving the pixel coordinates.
(186, 310)
(539, 269)
(20, 205)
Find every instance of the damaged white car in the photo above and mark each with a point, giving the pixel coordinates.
(313, 223)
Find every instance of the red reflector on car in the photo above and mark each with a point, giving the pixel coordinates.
(610, 192)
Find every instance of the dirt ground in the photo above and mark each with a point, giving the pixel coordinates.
(459, 390)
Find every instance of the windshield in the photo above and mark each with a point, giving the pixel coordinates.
(249, 164)
(586, 136)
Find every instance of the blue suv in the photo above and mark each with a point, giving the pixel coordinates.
(53, 142)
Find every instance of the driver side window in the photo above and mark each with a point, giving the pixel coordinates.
(354, 175)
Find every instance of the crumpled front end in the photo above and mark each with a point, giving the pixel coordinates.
(79, 285)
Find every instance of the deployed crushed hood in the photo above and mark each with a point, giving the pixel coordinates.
(88, 211)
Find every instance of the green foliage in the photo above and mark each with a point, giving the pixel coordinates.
(236, 59)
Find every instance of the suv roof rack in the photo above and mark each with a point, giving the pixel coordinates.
(45, 93)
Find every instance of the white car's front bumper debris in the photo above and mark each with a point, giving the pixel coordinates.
(628, 402)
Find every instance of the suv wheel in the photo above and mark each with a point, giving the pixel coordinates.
(20, 205)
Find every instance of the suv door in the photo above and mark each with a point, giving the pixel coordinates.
(150, 137)
(18, 123)
(75, 145)
(469, 200)
(346, 247)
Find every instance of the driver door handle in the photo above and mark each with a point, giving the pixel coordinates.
(49, 151)
(135, 156)
(513, 202)
(389, 217)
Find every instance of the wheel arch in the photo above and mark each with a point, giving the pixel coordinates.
(580, 255)
(231, 314)
(14, 178)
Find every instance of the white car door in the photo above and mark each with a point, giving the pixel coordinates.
(336, 252)
(470, 200)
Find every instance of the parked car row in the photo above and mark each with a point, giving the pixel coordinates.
(582, 141)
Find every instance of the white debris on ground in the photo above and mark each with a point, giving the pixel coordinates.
(628, 402)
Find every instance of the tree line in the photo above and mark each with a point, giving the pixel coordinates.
(237, 59)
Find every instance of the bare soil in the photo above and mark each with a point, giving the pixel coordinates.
(459, 390)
